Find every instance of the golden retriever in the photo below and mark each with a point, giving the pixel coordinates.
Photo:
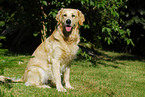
(52, 59)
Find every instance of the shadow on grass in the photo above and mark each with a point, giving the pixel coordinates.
(98, 57)
(7, 85)
(111, 59)
(130, 57)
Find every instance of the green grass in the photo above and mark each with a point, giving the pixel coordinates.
(109, 74)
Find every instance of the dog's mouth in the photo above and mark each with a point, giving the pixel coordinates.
(68, 28)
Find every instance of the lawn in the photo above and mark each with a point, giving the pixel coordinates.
(109, 74)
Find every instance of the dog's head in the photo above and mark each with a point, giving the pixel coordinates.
(70, 18)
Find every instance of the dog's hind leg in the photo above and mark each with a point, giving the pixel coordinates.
(36, 77)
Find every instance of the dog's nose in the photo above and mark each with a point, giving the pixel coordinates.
(68, 21)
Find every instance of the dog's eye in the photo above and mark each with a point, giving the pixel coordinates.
(73, 15)
(64, 15)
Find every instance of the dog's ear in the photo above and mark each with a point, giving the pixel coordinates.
(58, 16)
(81, 17)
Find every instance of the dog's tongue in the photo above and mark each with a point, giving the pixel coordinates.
(68, 29)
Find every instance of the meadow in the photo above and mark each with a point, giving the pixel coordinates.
(110, 74)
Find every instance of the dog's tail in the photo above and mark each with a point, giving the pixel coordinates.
(4, 79)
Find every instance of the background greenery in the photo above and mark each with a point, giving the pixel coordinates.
(110, 24)
(116, 25)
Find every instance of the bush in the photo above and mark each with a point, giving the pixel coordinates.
(104, 23)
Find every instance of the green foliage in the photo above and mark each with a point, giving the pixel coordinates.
(108, 11)
(44, 3)
(2, 23)
(111, 21)
(85, 55)
(133, 17)
(104, 20)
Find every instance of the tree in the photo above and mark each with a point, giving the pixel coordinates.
(104, 21)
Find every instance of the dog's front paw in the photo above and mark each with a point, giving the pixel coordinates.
(61, 89)
(69, 87)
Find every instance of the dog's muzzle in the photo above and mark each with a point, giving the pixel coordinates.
(68, 26)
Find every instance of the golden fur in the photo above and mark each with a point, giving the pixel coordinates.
(52, 58)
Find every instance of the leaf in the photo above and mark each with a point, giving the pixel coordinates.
(137, 19)
(132, 42)
(109, 41)
(53, 13)
(142, 12)
(82, 2)
(2, 23)
(128, 32)
(121, 32)
(86, 26)
(35, 34)
(44, 3)
(99, 37)
(103, 30)
(0, 44)
(82, 38)
(108, 30)
(92, 3)
(128, 41)
(3, 37)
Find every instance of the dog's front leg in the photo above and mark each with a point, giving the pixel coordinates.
(66, 78)
(57, 75)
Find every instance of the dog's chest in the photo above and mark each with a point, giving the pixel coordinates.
(67, 56)
(69, 53)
